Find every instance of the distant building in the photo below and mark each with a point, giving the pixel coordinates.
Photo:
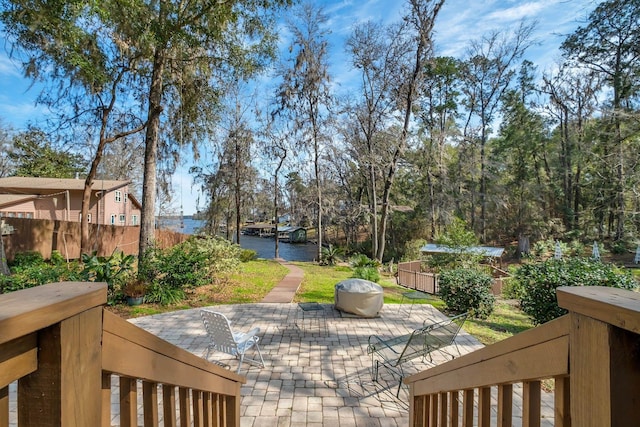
(61, 199)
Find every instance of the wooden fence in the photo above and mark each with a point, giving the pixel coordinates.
(410, 276)
(592, 354)
(45, 236)
(64, 349)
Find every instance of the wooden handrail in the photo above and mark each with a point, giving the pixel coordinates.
(541, 352)
(63, 348)
(591, 353)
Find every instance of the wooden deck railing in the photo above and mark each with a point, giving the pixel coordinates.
(63, 349)
(593, 353)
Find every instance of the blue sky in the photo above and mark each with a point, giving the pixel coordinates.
(459, 22)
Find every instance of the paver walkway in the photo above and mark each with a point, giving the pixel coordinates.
(318, 374)
(313, 377)
(284, 291)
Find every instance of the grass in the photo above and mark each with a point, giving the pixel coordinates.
(257, 278)
(506, 320)
(251, 283)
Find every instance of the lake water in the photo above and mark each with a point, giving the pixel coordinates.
(265, 247)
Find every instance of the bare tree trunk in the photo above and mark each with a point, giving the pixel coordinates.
(423, 14)
(147, 223)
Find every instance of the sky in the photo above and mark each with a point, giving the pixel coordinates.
(459, 22)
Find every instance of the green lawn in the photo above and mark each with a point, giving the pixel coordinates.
(505, 321)
(256, 278)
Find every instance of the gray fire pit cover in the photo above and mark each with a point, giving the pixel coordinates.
(359, 296)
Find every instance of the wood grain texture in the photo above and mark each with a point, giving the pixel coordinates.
(65, 390)
(617, 307)
(18, 357)
(505, 405)
(30, 310)
(550, 331)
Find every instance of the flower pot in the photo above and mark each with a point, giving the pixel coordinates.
(135, 300)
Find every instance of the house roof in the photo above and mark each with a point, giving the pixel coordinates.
(290, 228)
(12, 199)
(487, 251)
(22, 184)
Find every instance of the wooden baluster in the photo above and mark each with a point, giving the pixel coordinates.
(443, 410)
(185, 407)
(150, 403)
(169, 405)
(531, 404)
(215, 410)
(505, 405)
(467, 405)
(4, 407)
(128, 402)
(484, 407)
(433, 411)
(454, 408)
(106, 399)
(198, 412)
(208, 413)
(562, 402)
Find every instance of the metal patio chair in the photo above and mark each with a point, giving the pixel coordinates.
(224, 339)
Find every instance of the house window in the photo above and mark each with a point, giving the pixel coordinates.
(89, 218)
(118, 196)
(20, 215)
(113, 219)
(126, 196)
(122, 218)
(134, 219)
(29, 215)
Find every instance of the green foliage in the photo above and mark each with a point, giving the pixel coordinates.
(467, 290)
(26, 260)
(537, 283)
(412, 250)
(114, 270)
(458, 237)
(34, 156)
(247, 255)
(162, 294)
(361, 260)
(365, 268)
(331, 255)
(190, 264)
(367, 273)
(31, 270)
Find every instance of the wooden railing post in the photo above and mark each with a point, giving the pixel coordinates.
(65, 390)
(604, 356)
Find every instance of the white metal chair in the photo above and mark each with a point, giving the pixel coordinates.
(225, 340)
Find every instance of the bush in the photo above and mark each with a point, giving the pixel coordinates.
(31, 271)
(367, 273)
(190, 264)
(26, 259)
(361, 260)
(331, 255)
(467, 290)
(247, 255)
(538, 282)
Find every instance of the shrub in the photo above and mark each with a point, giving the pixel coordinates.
(367, 273)
(361, 260)
(467, 290)
(331, 255)
(33, 271)
(539, 281)
(26, 259)
(190, 264)
(247, 255)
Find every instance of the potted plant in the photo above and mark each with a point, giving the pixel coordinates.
(134, 291)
